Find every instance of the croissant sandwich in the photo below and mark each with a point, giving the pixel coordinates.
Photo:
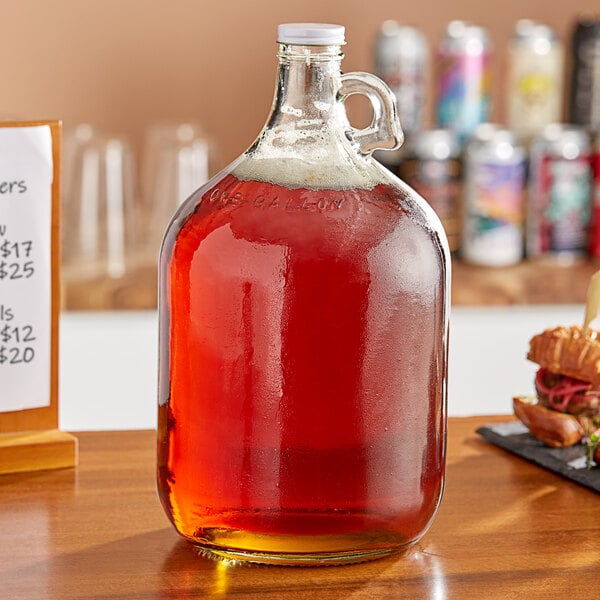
(566, 410)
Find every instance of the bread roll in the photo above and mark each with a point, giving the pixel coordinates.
(564, 350)
(554, 428)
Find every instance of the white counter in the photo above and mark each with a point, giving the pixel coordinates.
(108, 364)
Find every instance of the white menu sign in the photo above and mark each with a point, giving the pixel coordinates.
(25, 266)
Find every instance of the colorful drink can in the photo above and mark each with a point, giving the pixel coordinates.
(535, 79)
(463, 78)
(559, 193)
(495, 170)
(594, 247)
(434, 171)
(585, 75)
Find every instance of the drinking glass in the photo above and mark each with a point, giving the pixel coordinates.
(175, 163)
(100, 217)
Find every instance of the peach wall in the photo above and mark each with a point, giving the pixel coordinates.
(124, 64)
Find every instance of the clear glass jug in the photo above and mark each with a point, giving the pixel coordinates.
(303, 335)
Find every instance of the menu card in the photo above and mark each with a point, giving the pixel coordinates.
(30, 299)
(26, 176)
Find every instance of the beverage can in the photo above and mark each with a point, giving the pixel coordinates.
(535, 79)
(559, 193)
(401, 60)
(495, 170)
(463, 78)
(594, 246)
(585, 75)
(434, 171)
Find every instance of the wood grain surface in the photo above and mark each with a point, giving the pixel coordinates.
(37, 450)
(506, 529)
(529, 282)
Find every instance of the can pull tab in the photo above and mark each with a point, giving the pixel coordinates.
(384, 132)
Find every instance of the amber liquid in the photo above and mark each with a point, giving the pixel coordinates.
(302, 375)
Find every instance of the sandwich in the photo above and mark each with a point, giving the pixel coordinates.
(566, 409)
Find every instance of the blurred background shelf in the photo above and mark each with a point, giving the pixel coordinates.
(137, 290)
(528, 283)
(125, 66)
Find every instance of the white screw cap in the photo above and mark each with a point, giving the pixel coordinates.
(311, 34)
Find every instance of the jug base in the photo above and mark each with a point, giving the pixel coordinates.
(301, 551)
(296, 560)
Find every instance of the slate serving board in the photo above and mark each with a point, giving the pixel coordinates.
(568, 462)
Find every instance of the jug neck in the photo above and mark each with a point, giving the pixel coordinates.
(307, 140)
(308, 82)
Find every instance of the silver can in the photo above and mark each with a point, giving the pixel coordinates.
(463, 78)
(401, 60)
(494, 205)
(585, 74)
(434, 171)
(535, 79)
(560, 193)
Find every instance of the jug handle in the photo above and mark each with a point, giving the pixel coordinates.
(384, 132)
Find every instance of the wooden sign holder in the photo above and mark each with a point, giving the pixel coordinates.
(30, 439)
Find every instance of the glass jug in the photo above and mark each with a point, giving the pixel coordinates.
(303, 335)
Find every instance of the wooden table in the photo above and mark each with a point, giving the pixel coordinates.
(506, 529)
